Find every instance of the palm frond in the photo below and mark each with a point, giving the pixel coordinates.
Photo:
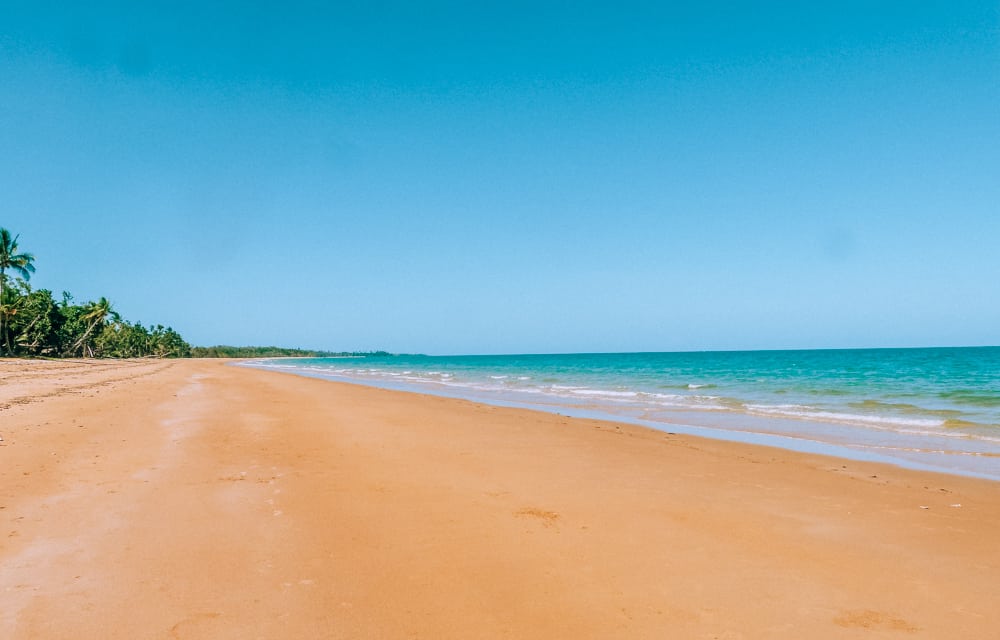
(19, 263)
(22, 265)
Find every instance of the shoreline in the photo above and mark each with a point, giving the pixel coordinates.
(190, 499)
(736, 434)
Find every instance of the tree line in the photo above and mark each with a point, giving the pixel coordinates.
(34, 323)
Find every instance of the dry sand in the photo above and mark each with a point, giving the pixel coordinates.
(190, 499)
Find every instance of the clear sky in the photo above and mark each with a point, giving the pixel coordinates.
(513, 177)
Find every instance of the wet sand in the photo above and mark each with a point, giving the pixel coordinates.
(188, 499)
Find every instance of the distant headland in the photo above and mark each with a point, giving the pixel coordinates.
(223, 351)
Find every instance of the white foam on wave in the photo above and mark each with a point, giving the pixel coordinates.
(674, 396)
(609, 394)
(781, 407)
(696, 403)
(800, 411)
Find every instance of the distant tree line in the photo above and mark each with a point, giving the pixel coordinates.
(223, 351)
(33, 323)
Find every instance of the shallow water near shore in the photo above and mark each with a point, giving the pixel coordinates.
(933, 409)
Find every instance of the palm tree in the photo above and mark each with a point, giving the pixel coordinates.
(19, 263)
(96, 313)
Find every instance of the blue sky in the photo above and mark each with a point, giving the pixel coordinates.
(513, 177)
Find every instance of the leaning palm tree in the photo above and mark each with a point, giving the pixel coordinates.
(19, 263)
(96, 313)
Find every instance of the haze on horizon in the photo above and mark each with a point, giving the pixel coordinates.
(565, 177)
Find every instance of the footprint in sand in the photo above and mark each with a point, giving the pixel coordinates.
(194, 620)
(869, 619)
(548, 518)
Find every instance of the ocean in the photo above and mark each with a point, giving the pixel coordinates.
(934, 409)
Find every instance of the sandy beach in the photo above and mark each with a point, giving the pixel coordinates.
(190, 499)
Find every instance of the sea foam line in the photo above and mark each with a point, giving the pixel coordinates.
(494, 384)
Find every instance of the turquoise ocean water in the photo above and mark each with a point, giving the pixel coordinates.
(922, 408)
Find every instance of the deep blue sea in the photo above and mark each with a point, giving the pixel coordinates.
(923, 408)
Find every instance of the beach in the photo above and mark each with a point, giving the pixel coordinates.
(935, 409)
(193, 499)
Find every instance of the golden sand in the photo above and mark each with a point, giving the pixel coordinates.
(189, 499)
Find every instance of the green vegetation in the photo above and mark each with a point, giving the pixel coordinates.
(222, 351)
(20, 263)
(32, 323)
